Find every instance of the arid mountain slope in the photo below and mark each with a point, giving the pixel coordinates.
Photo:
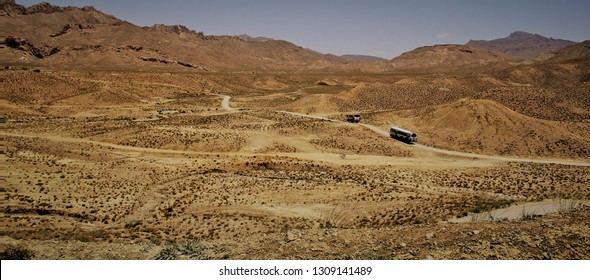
(447, 58)
(46, 35)
(576, 53)
(522, 44)
(486, 126)
(561, 83)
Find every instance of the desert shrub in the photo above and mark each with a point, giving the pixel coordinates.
(168, 253)
(187, 249)
(17, 252)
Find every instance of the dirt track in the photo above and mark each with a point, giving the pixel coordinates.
(225, 102)
(256, 180)
(225, 105)
(361, 160)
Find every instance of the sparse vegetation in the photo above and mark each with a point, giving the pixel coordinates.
(118, 142)
(188, 250)
(126, 174)
(17, 252)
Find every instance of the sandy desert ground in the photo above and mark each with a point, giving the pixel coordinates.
(124, 165)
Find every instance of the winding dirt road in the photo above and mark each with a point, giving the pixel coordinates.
(330, 158)
(446, 152)
(225, 102)
(327, 157)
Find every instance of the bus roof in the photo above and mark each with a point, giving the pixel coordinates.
(401, 130)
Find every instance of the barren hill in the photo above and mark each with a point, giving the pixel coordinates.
(255, 159)
(522, 44)
(442, 58)
(70, 37)
(562, 79)
(574, 53)
(490, 127)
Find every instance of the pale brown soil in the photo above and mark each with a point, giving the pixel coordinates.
(113, 165)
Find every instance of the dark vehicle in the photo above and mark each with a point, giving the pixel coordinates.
(353, 118)
(403, 135)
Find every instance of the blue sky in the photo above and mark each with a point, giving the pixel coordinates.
(371, 27)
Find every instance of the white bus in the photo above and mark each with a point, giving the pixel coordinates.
(403, 135)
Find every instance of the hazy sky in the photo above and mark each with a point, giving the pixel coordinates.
(384, 28)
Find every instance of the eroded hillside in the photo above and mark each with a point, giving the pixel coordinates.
(140, 165)
(127, 142)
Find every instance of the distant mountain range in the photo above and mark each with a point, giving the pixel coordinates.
(522, 44)
(445, 58)
(356, 57)
(71, 37)
(85, 38)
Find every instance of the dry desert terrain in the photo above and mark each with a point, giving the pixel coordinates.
(248, 165)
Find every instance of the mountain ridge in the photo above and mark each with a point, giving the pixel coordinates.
(522, 44)
(448, 57)
(11, 8)
(71, 37)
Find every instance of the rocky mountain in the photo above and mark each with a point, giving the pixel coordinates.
(444, 58)
(70, 37)
(179, 30)
(45, 35)
(10, 8)
(521, 44)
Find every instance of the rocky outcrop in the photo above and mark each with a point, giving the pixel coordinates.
(69, 27)
(24, 45)
(165, 61)
(10, 8)
(5, 3)
(44, 8)
(88, 48)
(89, 9)
(180, 30)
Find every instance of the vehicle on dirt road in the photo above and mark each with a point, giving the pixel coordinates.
(403, 134)
(354, 118)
